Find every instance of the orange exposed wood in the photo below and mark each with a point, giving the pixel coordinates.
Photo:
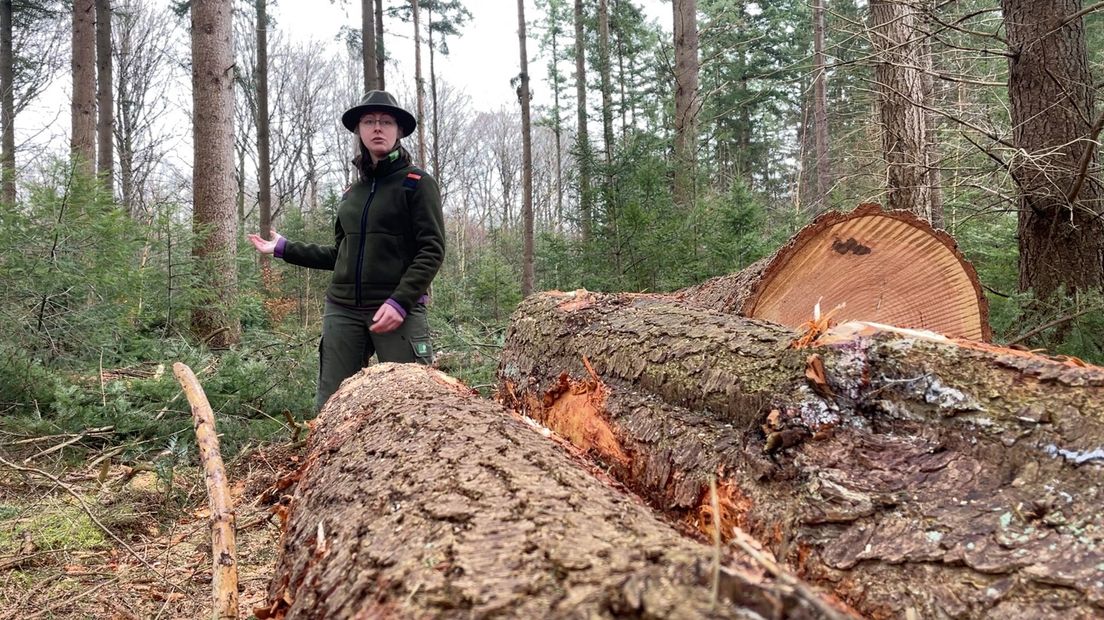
(575, 410)
(883, 266)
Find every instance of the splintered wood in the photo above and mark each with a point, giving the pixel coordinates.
(911, 474)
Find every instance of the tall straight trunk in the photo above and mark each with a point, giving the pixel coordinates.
(7, 106)
(820, 110)
(932, 151)
(557, 121)
(1061, 235)
(83, 136)
(900, 94)
(419, 82)
(436, 129)
(368, 45)
(686, 98)
(621, 79)
(213, 217)
(586, 210)
(380, 55)
(105, 121)
(527, 275)
(264, 162)
(607, 86)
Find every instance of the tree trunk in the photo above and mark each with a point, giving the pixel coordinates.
(418, 500)
(607, 89)
(820, 111)
(264, 162)
(1061, 235)
(527, 259)
(419, 82)
(368, 45)
(686, 99)
(436, 131)
(83, 136)
(913, 477)
(381, 57)
(7, 106)
(895, 28)
(582, 138)
(214, 221)
(105, 104)
(932, 149)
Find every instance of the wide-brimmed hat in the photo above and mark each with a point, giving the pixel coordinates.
(382, 101)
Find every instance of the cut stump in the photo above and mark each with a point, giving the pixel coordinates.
(881, 266)
(420, 500)
(912, 475)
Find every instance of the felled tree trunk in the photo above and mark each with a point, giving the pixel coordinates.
(912, 476)
(420, 500)
(867, 265)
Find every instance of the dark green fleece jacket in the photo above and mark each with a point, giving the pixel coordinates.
(389, 239)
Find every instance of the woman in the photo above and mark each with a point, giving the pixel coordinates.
(389, 242)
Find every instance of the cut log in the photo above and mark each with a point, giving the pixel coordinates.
(912, 475)
(883, 266)
(418, 499)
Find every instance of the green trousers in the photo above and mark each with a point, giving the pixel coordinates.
(347, 345)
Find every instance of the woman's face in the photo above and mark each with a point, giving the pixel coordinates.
(378, 131)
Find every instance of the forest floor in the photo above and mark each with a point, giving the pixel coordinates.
(105, 541)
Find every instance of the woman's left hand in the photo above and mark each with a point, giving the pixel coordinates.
(386, 319)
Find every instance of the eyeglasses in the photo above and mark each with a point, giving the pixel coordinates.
(384, 123)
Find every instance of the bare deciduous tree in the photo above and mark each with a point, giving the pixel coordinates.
(142, 42)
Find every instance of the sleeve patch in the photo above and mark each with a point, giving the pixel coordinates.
(411, 180)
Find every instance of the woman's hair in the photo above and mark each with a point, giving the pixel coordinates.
(363, 160)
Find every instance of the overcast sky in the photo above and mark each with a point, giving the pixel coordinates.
(481, 61)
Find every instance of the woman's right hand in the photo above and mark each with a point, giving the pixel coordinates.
(264, 246)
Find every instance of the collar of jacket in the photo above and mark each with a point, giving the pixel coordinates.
(392, 162)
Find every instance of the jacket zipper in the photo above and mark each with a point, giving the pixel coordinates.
(363, 232)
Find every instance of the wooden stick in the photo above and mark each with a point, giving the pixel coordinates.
(224, 580)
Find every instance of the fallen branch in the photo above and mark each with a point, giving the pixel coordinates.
(224, 574)
(1056, 322)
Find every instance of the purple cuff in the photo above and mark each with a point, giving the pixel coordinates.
(394, 304)
(278, 252)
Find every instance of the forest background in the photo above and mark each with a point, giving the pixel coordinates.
(656, 155)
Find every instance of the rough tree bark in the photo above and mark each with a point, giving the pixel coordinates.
(527, 271)
(894, 37)
(105, 105)
(213, 216)
(419, 81)
(368, 45)
(418, 499)
(7, 106)
(83, 136)
(687, 101)
(582, 133)
(1050, 85)
(914, 478)
(820, 110)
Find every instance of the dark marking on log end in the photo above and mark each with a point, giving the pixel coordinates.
(851, 246)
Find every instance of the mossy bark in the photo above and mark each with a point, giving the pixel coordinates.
(421, 500)
(913, 478)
